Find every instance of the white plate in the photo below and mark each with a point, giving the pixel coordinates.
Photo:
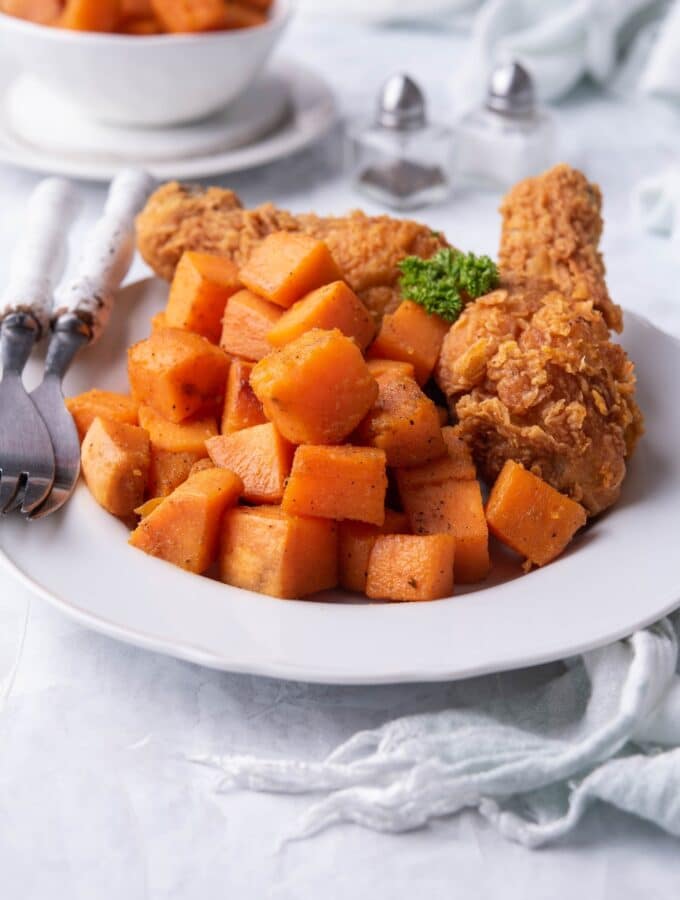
(620, 574)
(312, 112)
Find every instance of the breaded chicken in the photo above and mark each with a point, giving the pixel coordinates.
(367, 249)
(533, 376)
(551, 229)
(530, 369)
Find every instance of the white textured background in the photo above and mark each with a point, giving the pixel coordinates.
(95, 798)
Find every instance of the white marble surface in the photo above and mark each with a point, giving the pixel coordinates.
(95, 797)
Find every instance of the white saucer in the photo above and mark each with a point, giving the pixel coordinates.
(287, 109)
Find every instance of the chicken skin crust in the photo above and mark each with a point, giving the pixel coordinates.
(367, 248)
(551, 228)
(533, 376)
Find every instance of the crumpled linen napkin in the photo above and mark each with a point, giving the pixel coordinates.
(530, 761)
(559, 41)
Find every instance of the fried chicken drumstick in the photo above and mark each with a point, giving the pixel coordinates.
(367, 249)
(530, 370)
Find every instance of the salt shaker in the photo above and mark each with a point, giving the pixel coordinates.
(400, 159)
(509, 138)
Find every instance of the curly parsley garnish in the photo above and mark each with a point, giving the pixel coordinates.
(446, 281)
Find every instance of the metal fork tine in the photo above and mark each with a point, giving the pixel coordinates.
(8, 490)
(34, 494)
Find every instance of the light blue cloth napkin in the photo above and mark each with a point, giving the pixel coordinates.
(607, 727)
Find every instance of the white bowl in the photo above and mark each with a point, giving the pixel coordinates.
(144, 80)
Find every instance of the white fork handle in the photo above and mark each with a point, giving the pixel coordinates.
(107, 254)
(40, 255)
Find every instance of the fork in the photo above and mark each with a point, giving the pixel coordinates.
(82, 310)
(26, 457)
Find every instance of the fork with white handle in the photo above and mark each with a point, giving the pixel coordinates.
(26, 457)
(81, 311)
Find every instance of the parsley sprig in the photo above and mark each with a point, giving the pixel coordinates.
(446, 281)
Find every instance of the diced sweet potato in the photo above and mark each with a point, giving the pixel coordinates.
(390, 366)
(185, 528)
(337, 483)
(530, 516)
(178, 373)
(438, 500)
(246, 324)
(190, 15)
(461, 464)
(443, 414)
(201, 465)
(109, 405)
(259, 456)
(241, 407)
(148, 507)
(265, 550)
(200, 288)
(169, 469)
(242, 15)
(43, 12)
(188, 436)
(142, 27)
(285, 266)
(355, 542)
(91, 15)
(115, 464)
(413, 335)
(403, 422)
(316, 389)
(158, 322)
(135, 9)
(411, 567)
(334, 305)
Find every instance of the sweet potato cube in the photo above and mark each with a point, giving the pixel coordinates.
(403, 422)
(242, 15)
(109, 405)
(200, 288)
(411, 567)
(115, 464)
(334, 305)
(158, 322)
(530, 516)
(190, 15)
(142, 27)
(461, 464)
(316, 389)
(201, 465)
(185, 528)
(43, 12)
(390, 366)
(412, 335)
(168, 469)
(355, 542)
(241, 407)
(246, 324)
(259, 456)
(267, 551)
(337, 483)
(91, 15)
(188, 436)
(148, 507)
(178, 373)
(286, 266)
(437, 501)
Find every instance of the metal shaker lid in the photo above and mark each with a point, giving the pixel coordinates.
(401, 104)
(511, 90)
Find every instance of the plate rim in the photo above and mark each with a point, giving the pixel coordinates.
(274, 666)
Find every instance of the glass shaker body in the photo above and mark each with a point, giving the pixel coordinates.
(401, 168)
(496, 150)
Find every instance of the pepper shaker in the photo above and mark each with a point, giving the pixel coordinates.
(400, 159)
(509, 138)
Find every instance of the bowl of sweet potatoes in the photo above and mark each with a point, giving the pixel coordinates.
(143, 62)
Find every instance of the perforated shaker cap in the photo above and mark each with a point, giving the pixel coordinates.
(511, 90)
(401, 104)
